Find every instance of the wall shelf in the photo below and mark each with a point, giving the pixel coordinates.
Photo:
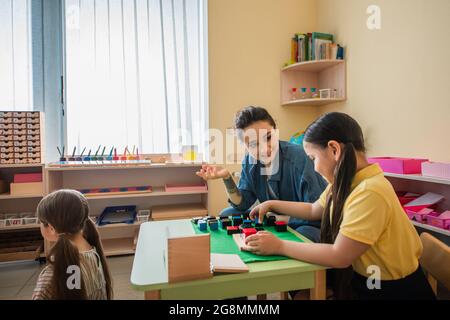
(319, 74)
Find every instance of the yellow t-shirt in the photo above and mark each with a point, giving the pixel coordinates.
(373, 215)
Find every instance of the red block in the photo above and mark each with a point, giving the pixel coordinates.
(27, 177)
(248, 231)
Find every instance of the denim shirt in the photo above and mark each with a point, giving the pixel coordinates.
(295, 180)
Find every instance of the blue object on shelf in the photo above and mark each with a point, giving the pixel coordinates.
(120, 214)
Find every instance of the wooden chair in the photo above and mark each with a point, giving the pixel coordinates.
(435, 261)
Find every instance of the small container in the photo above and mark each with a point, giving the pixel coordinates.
(281, 226)
(32, 220)
(14, 222)
(294, 94)
(143, 215)
(303, 94)
(2, 223)
(314, 93)
(325, 93)
(202, 225)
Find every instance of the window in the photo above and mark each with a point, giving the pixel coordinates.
(136, 74)
(16, 91)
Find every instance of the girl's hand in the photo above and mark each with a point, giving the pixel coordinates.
(210, 172)
(264, 243)
(260, 211)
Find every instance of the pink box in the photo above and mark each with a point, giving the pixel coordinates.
(182, 188)
(436, 169)
(399, 165)
(422, 215)
(440, 221)
(27, 177)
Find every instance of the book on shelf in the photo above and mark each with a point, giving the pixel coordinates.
(314, 46)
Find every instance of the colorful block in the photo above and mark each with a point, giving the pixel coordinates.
(213, 225)
(249, 231)
(281, 226)
(232, 230)
(270, 221)
(202, 225)
(237, 221)
(225, 223)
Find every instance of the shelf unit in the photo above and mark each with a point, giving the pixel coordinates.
(21, 242)
(422, 184)
(120, 239)
(320, 74)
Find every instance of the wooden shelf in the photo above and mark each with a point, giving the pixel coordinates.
(117, 247)
(431, 228)
(7, 196)
(312, 102)
(26, 165)
(122, 167)
(313, 66)
(178, 211)
(318, 74)
(418, 177)
(157, 192)
(21, 227)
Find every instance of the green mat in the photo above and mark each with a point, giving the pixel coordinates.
(221, 242)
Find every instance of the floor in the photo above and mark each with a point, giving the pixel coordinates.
(17, 280)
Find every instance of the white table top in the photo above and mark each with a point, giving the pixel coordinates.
(150, 259)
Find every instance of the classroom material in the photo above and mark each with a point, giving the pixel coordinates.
(325, 93)
(117, 214)
(21, 137)
(228, 263)
(436, 169)
(27, 177)
(237, 221)
(27, 188)
(424, 201)
(196, 220)
(440, 220)
(202, 225)
(225, 223)
(281, 226)
(232, 230)
(399, 165)
(248, 232)
(143, 215)
(270, 221)
(213, 225)
(188, 258)
(115, 191)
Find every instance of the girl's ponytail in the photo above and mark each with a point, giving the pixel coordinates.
(62, 256)
(91, 235)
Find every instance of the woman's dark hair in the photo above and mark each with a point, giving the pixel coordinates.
(343, 129)
(250, 115)
(68, 212)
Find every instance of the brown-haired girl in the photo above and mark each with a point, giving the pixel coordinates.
(365, 233)
(64, 220)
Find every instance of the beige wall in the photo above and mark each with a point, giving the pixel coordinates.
(399, 76)
(249, 40)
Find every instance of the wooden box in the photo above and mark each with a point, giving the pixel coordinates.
(189, 258)
(32, 188)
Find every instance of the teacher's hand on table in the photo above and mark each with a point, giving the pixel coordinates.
(264, 243)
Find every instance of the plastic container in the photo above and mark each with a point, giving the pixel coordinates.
(143, 215)
(441, 220)
(325, 93)
(32, 220)
(436, 169)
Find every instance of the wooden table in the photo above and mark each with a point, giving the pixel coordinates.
(149, 273)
